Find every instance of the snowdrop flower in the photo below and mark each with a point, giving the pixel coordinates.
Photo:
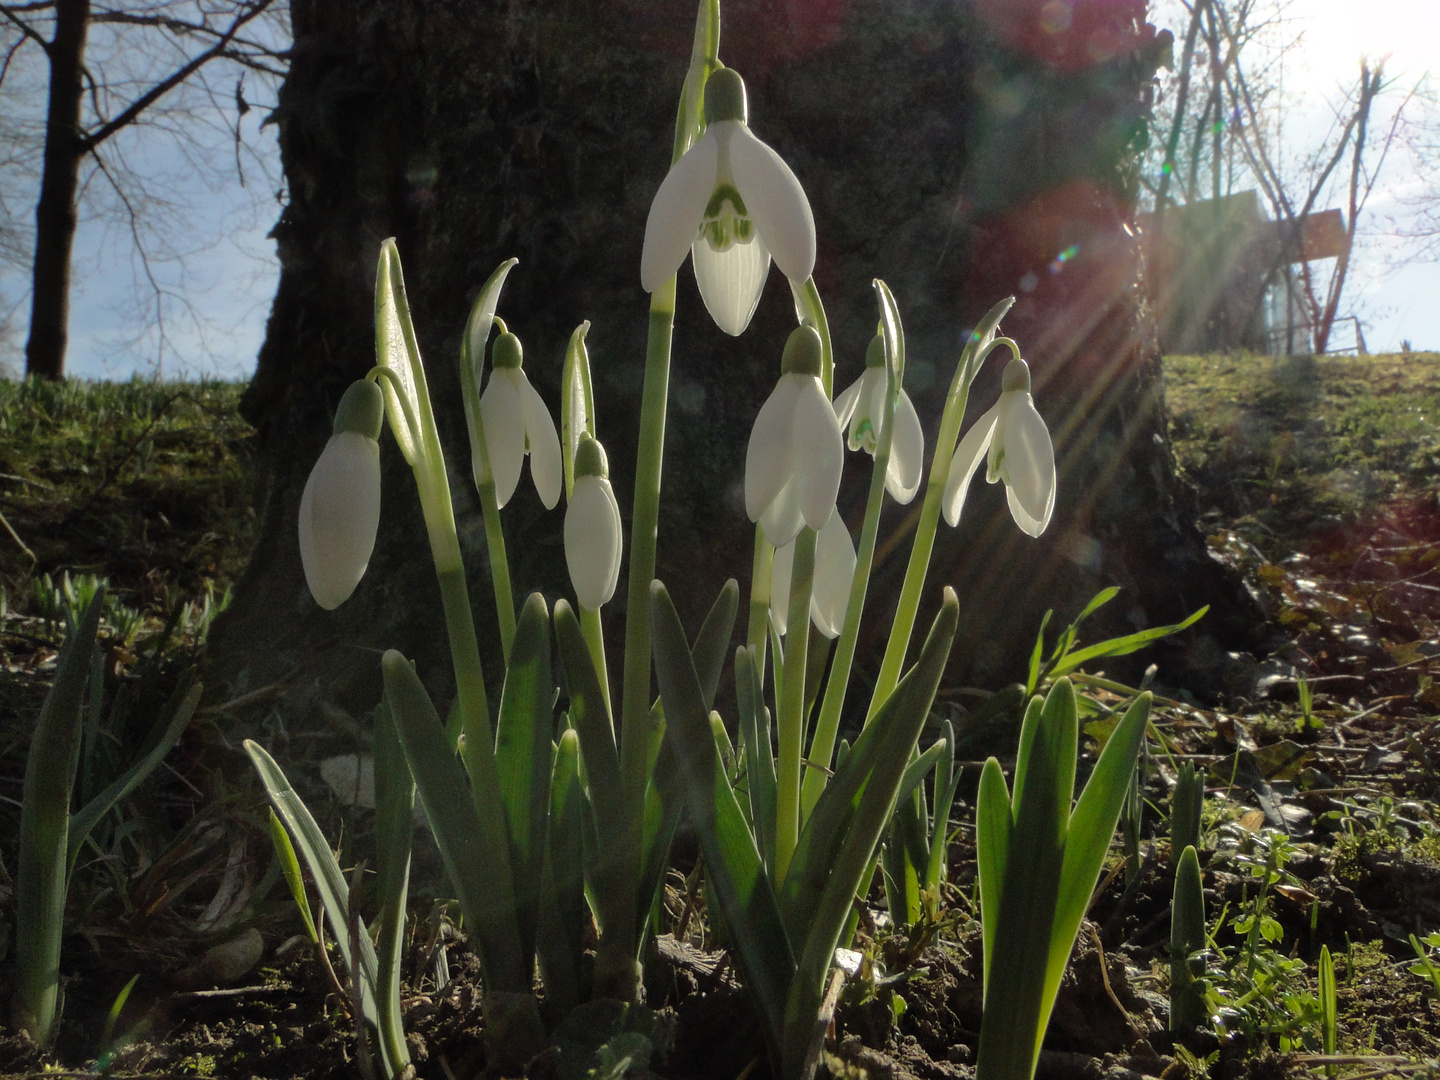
(340, 508)
(1020, 453)
(834, 571)
(862, 406)
(592, 528)
(732, 203)
(518, 423)
(792, 465)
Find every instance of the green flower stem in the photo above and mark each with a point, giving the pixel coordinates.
(808, 297)
(594, 631)
(924, 544)
(757, 633)
(635, 702)
(790, 714)
(489, 506)
(499, 561)
(822, 747)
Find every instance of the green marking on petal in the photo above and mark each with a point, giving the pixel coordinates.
(724, 192)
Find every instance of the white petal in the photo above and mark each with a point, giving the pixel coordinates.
(775, 202)
(676, 212)
(834, 571)
(541, 442)
(962, 466)
(339, 515)
(818, 451)
(782, 520)
(767, 458)
(504, 432)
(731, 281)
(1028, 467)
(592, 541)
(872, 409)
(907, 452)
(845, 404)
(780, 568)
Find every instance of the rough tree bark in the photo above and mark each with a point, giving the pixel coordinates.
(960, 151)
(55, 216)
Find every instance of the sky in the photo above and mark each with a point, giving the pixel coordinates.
(1390, 288)
(229, 271)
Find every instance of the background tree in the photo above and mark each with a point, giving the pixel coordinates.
(961, 151)
(151, 52)
(1229, 123)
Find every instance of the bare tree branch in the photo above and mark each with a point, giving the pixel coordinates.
(164, 86)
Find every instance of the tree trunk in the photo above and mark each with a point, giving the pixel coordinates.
(961, 151)
(55, 216)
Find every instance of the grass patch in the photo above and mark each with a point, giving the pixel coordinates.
(1285, 447)
(148, 484)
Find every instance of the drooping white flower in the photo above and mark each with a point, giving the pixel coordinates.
(518, 423)
(592, 528)
(793, 462)
(834, 571)
(862, 406)
(733, 204)
(340, 507)
(1020, 453)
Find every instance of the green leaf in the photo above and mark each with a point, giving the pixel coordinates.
(394, 829)
(561, 941)
(523, 730)
(900, 720)
(176, 718)
(290, 868)
(712, 643)
(1017, 1005)
(759, 760)
(742, 890)
(1122, 646)
(44, 830)
(993, 828)
(324, 870)
(1092, 826)
(591, 719)
(474, 848)
(1187, 936)
(947, 782)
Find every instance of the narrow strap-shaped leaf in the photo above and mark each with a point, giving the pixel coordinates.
(522, 756)
(44, 829)
(947, 782)
(736, 872)
(900, 720)
(561, 940)
(1016, 1005)
(1028, 728)
(176, 719)
(993, 826)
(475, 848)
(918, 767)
(1122, 646)
(324, 870)
(1091, 827)
(591, 718)
(290, 869)
(1187, 936)
(394, 829)
(759, 758)
(712, 643)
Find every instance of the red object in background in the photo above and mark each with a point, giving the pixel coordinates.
(1069, 35)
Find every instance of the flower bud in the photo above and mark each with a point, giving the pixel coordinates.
(340, 507)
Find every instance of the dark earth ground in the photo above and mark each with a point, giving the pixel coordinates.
(1319, 483)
